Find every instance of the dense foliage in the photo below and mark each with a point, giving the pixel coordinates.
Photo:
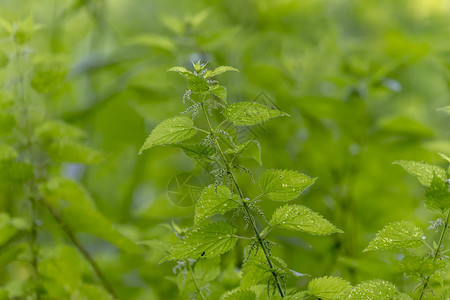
(217, 205)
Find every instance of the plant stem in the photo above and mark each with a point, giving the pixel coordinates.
(31, 185)
(436, 254)
(195, 280)
(104, 281)
(246, 208)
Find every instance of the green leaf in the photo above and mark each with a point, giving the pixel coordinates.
(7, 152)
(207, 270)
(218, 71)
(220, 91)
(182, 71)
(284, 185)
(7, 229)
(255, 270)
(397, 235)
(301, 218)
(72, 151)
(375, 289)
(56, 130)
(250, 149)
(437, 196)
(239, 294)
(446, 157)
(62, 271)
(89, 291)
(421, 266)
(250, 113)
(214, 200)
(424, 172)
(207, 241)
(170, 131)
(76, 207)
(328, 288)
(196, 151)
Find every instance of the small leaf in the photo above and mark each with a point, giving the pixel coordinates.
(196, 151)
(180, 70)
(437, 195)
(397, 235)
(214, 200)
(250, 113)
(220, 91)
(207, 241)
(250, 149)
(170, 131)
(219, 70)
(424, 172)
(446, 157)
(284, 185)
(328, 288)
(301, 218)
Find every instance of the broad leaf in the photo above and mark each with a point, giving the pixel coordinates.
(424, 172)
(239, 294)
(206, 241)
(328, 288)
(214, 200)
(375, 289)
(421, 266)
(62, 271)
(218, 71)
(284, 185)
(397, 235)
(170, 131)
(76, 207)
(250, 113)
(301, 218)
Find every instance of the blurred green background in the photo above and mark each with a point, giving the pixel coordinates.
(362, 81)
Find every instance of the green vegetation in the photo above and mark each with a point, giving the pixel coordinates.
(121, 180)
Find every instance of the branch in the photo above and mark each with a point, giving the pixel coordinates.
(80, 247)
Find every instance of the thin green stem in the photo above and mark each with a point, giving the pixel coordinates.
(437, 251)
(245, 206)
(104, 281)
(31, 185)
(195, 280)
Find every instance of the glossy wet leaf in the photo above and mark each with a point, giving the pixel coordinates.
(207, 241)
(376, 289)
(250, 113)
(218, 71)
(423, 171)
(239, 294)
(301, 218)
(397, 235)
(328, 288)
(214, 200)
(170, 131)
(284, 185)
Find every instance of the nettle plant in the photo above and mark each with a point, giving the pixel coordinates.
(428, 263)
(217, 150)
(45, 208)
